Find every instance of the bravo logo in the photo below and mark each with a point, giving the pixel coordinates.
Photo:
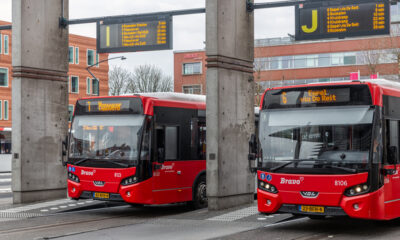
(87, 173)
(291, 181)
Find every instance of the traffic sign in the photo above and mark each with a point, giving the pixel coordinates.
(341, 19)
(131, 34)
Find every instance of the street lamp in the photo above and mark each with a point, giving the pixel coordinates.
(94, 77)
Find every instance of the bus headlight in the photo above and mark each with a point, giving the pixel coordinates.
(267, 187)
(73, 177)
(129, 180)
(357, 190)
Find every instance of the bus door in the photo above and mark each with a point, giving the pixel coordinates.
(193, 162)
(392, 181)
(165, 174)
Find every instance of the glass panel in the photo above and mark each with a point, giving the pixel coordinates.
(3, 77)
(70, 112)
(6, 44)
(95, 86)
(287, 62)
(71, 54)
(300, 61)
(106, 137)
(88, 85)
(76, 55)
(171, 143)
(324, 60)
(335, 135)
(74, 84)
(90, 57)
(5, 110)
(274, 64)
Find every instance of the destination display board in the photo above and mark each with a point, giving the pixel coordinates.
(109, 106)
(317, 97)
(340, 19)
(140, 33)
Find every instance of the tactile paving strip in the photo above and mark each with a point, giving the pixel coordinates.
(235, 215)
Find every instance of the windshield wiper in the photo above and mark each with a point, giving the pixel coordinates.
(294, 161)
(81, 161)
(116, 163)
(352, 170)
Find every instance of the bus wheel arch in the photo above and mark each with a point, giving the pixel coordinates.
(199, 195)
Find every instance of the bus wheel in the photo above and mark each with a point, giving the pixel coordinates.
(200, 195)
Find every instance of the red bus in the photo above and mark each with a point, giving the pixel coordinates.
(329, 150)
(142, 149)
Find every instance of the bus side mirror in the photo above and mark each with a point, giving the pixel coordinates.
(253, 149)
(64, 150)
(392, 155)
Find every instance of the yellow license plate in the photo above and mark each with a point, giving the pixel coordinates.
(101, 195)
(314, 209)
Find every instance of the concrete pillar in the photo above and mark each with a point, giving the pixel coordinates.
(39, 99)
(230, 102)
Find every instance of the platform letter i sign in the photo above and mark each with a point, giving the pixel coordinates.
(108, 36)
(314, 25)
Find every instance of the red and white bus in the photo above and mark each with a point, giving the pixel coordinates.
(330, 149)
(141, 149)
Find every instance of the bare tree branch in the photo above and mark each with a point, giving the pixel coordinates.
(118, 79)
(149, 78)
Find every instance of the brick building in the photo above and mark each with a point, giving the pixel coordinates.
(82, 53)
(282, 61)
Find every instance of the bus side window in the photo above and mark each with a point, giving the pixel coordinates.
(202, 140)
(392, 141)
(171, 143)
(160, 138)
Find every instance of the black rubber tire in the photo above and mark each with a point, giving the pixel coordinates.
(199, 195)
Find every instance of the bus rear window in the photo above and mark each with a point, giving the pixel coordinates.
(317, 97)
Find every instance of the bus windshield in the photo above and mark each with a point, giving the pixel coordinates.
(316, 139)
(106, 137)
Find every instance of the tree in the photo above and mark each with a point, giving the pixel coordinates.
(149, 78)
(118, 78)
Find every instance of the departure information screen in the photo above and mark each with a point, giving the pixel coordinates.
(135, 34)
(332, 20)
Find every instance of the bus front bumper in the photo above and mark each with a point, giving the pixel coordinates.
(364, 206)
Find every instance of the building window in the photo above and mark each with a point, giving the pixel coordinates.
(70, 112)
(90, 57)
(95, 86)
(6, 44)
(97, 59)
(74, 84)
(88, 80)
(1, 110)
(1, 43)
(71, 54)
(5, 110)
(192, 89)
(3, 77)
(192, 68)
(76, 55)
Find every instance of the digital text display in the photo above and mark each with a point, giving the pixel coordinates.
(317, 21)
(317, 97)
(137, 34)
(109, 106)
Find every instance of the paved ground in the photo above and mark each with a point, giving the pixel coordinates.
(67, 219)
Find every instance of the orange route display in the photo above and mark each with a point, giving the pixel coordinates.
(142, 33)
(333, 20)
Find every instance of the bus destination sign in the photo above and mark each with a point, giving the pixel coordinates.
(141, 33)
(361, 18)
(109, 106)
(315, 96)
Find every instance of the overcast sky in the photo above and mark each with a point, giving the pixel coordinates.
(189, 30)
